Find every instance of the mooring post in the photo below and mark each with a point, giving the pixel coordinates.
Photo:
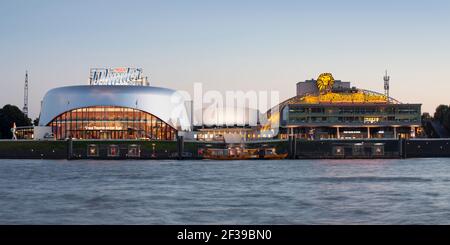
(294, 147)
(69, 149)
(400, 146)
(405, 141)
(180, 147)
(291, 147)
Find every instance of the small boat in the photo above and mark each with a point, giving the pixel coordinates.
(271, 153)
(276, 156)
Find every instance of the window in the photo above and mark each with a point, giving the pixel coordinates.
(407, 111)
(317, 110)
(378, 150)
(358, 150)
(113, 151)
(338, 151)
(92, 151)
(134, 151)
(110, 122)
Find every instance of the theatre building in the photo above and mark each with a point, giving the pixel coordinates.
(113, 111)
(325, 108)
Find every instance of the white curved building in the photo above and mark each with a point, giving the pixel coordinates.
(227, 116)
(114, 112)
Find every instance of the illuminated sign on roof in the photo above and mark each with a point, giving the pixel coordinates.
(117, 76)
(325, 82)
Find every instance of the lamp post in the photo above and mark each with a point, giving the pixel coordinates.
(153, 150)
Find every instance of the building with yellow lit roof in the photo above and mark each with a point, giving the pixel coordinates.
(326, 108)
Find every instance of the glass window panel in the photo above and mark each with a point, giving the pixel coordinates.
(110, 123)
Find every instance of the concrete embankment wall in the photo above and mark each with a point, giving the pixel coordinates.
(337, 149)
(180, 149)
(30, 149)
(78, 149)
(427, 148)
(373, 148)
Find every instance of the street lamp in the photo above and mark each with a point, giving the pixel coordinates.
(153, 149)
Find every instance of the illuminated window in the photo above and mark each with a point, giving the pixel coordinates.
(104, 122)
(371, 119)
(134, 151)
(338, 151)
(92, 151)
(113, 151)
(378, 150)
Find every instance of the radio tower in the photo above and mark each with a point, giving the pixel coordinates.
(25, 95)
(386, 79)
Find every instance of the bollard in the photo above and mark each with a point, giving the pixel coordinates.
(291, 147)
(180, 147)
(69, 149)
(295, 147)
(402, 147)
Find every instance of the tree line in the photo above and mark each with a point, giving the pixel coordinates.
(441, 116)
(9, 115)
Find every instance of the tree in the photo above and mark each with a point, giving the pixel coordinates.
(446, 120)
(36, 121)
(426, 125)
(9, 115)
(426, 116)
(439, 115)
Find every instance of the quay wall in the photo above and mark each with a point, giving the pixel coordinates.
(180, 149)
(372, 148)
(341, 149)
(427, 148)
(31, 149)
(146, 149)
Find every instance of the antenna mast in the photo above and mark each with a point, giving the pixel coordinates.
(25, 95)
(386, 79)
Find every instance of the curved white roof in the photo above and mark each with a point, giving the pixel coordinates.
(166, 104)
(227, 116)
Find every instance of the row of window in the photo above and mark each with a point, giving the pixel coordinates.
(353, 110)
(356, 150)
(110, 123)
(365, 120)
(114, 151)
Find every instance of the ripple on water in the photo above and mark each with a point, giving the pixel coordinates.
(366, 179)
(412, 191)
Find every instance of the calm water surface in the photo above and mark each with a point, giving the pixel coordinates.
(412, 191)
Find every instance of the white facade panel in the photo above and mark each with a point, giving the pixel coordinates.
(163, 103)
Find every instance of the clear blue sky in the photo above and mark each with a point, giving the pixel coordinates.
(228, 44)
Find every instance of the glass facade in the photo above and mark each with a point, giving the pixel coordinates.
(110, 122)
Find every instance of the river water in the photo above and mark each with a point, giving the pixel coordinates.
(411, 191)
